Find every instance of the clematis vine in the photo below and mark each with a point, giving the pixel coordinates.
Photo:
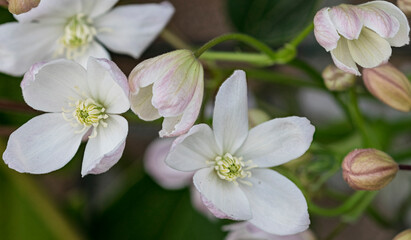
(74, 29)
(230, 163)
(361, 34)
(170, 86)
(79, 104)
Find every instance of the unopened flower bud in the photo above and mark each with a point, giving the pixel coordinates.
(389, 85)
(368, 169)
(22, 6)
(404, 235)
(336, 79)
(405, 6)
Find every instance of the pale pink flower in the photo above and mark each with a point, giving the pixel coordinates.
(361, 34)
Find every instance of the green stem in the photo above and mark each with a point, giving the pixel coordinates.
(262, 47)
(174, 40)
(345, 207)
(358, 119)
(300, 37)
(254, 58)
(360, 207)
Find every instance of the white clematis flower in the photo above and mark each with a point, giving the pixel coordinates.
(230, 163)
(78, 103)
(74, 29)
(361, 34)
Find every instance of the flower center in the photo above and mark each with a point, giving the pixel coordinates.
(87, 113)
(78, 32)
(230, 168)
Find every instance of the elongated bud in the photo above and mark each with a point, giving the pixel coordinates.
(389, 85)
(404, 235)
(336, 79)
(368, 169)
(405, 6)
(22, 6)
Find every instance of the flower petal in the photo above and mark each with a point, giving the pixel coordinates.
(402, 37)
(277, 141)
(103, 151)
(94, 49)
(43, 144)
(164, 175)
(224, 199)
(94, 8)
(108, 85)
(346, 21)
(324, 30)
(192, 150)
(369, 50)
(230, 120)
(22, 45)
(49, 87)
(130, 29)
(342, 58)
(141, 104)
(181, 124)
(378, 20)
(277, 205)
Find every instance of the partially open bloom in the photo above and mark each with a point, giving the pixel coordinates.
(361, 34)
(336, 79)
(74, 29)
(368, 169)
(78, 103)
(170, 86)
(246, 230)
(231, 163)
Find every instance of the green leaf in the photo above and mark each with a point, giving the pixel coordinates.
(271, 21)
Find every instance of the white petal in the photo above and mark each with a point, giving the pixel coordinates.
(103, 151)
(108, 85)
(342, 58)
(94, 8)
(224, 199)
(49, 87)
(277, 205)
(230, 120)
(22, 45)
(94, 49)
(52, 11)
(141, 104)
(198, 204)
(43, 144)
(378, 20)
(324, 30)
(130, 29)
(369, 50)
(192, 150)
(181, 124)
(346, 20)
(402, 37)
(277, 141)
(164, 175)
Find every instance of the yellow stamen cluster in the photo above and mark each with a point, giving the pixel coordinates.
(78, 32)
(230, 168)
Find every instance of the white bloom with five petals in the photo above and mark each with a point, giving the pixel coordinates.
(230, 163)
(361, 34)
(78, 103)
(74, 29)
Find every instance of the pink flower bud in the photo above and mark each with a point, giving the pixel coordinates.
(389, 85)
(336, 79)
(22, 6)
(368, 169)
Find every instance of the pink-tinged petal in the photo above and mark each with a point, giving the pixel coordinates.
(51, 86)
(199, 205)
(130, 29)
(193, 150)
(379, 21)
(94, 8)
(108, 85)
(94, 49)
(22, 45)
(369, 50)
(224, 199)
(346, 21)
(103, 151)
(181, 124)
(277, 141)
(164, 175)
(342, 58)
(43, 144)
(230, 120)
(141, 104)
(324, 30)
(402, 37)
(277, 205)
(52, 11)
